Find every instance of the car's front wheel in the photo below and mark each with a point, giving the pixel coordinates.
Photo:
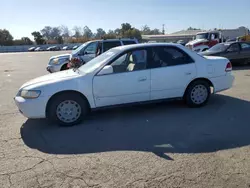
(67, 109)
(197, 93)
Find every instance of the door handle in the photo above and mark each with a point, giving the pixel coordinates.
(188, 73)
(142, 79)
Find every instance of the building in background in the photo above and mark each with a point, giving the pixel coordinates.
(188, 35)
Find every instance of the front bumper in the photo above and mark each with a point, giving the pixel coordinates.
(31, 108)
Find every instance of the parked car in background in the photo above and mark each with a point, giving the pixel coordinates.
(39, 49)
(124, 75)
(236, 52)
(31, 49)
(65, 48)
(53, 48)
(181, 42)
(86, 52)
(74, 47)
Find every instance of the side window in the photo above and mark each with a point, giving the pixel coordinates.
(167, 56)
(216, 35)
(108, 45)
(127, 42)
(233, 48)
(91, 48)
(131, 61)
(245, 46)
(212, 36)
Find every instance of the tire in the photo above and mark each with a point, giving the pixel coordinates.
(67, 109)
(197, 93)
(64, 67)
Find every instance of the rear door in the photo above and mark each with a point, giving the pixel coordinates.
(245, 52)
(171, 71)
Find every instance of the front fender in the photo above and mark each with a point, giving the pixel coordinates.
(80, 84)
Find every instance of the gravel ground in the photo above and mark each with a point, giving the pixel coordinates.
(156, 145)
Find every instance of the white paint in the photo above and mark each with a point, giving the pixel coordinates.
(126, 87)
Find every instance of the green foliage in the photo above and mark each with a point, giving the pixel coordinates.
(38, 37)
(6, 38)
(23, 41)
(100, 33)
(145, 30)
(192, 28)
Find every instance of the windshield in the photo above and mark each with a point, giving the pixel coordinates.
(202, 36)
(77, 50)
(96, 62)
(219, 47)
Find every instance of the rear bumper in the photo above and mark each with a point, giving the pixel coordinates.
(223, 82)
(31, 108)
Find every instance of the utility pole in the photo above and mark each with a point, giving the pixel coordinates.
(163, 29)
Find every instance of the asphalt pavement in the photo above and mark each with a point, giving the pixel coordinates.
(154, 145)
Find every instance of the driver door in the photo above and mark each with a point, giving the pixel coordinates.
(129, 82)
(89, 52)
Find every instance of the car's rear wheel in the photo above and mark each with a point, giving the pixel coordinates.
(197, 93)
(68, 109)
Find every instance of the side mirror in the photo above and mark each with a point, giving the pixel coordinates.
(85, 53)
(108, 69)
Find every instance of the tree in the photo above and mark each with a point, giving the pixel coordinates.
(23, 41)
(155, 32)
(132, 33)
(38, 37)
(145, 30)
(6, 38)
(192, 28)
(117, 31)
(87, 33)
(99, 33)
(65, 32)
(46, 31)
(78, 32)
(55, 33)
(110, 35)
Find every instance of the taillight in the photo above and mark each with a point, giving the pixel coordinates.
(229, 67)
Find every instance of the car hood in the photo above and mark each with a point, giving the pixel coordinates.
(60, 56)
(196, 41)
(52, 78)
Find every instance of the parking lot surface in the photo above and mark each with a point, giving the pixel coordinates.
(156, 145)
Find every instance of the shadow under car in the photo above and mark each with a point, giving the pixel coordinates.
(159, 128)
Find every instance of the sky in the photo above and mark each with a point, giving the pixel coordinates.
(22, 17)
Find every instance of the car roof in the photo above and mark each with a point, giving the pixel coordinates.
(132, 46)
(123, 39)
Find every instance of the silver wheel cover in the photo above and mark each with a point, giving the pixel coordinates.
(199, 94)
(68, 111)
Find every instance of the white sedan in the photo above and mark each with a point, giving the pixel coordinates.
(125, 75)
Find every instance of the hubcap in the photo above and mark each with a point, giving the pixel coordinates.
(199, 94)
(68, 111)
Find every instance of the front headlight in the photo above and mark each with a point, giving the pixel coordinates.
(30, 94)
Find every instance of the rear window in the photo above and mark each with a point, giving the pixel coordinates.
(108, 45)
(128, 42)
